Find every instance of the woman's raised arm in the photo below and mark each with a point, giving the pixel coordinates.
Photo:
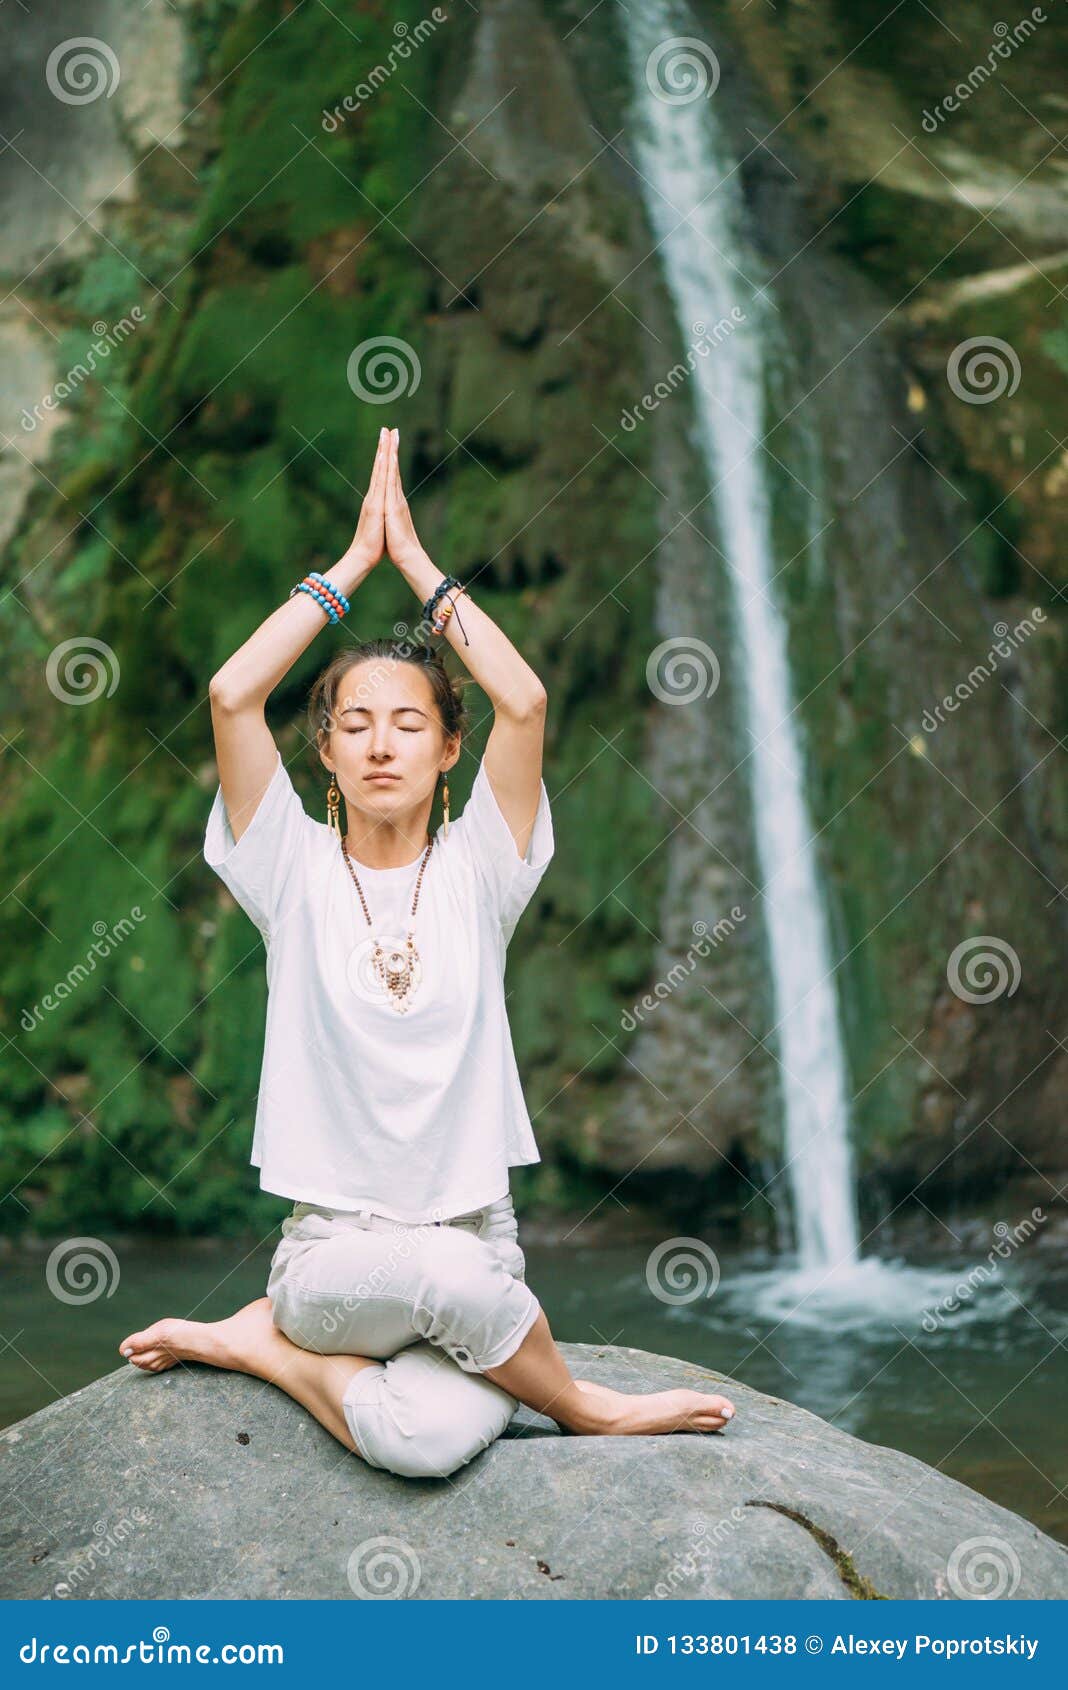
(244, 745)
(513, 755)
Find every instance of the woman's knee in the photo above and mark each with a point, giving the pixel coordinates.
(468, 1303)
(420, 1417)
(435, 1458)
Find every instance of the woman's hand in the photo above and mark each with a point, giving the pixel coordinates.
(369, 541)
(402, 542)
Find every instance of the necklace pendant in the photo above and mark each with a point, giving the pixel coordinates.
(399, 973)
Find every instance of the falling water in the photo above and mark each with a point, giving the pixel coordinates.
(713, 279)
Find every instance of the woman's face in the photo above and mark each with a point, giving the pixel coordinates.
(386, 724)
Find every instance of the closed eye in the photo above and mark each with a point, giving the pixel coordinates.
(362, 730)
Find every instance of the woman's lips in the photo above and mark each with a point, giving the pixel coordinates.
(382, 777)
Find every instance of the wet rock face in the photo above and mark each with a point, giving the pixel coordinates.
(925, 641)
(524, 282)
(928, 371)
(196, 1482)
(68, 158)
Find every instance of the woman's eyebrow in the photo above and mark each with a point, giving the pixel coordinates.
(349, 708)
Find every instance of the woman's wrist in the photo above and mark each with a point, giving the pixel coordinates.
(350, 571)
(421, 573)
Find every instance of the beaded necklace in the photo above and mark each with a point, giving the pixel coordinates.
(397, 971)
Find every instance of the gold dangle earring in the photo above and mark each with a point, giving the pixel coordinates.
(445, 804)
(333, 803)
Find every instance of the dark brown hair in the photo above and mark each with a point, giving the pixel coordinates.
(447, 690)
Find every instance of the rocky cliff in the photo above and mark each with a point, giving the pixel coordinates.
(268, 210)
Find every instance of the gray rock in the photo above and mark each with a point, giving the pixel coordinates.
(203, 1483)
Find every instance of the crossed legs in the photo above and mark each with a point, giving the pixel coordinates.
(250, 1342)
(427, 1400)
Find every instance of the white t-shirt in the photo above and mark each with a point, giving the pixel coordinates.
(422, 1113)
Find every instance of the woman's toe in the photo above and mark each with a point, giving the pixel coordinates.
(138, 1342)
(151, 1345)
(721, 1406)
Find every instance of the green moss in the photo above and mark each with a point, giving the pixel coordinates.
(185, 520)
(859, 1588)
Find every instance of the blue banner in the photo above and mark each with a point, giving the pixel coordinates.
(546, 1643)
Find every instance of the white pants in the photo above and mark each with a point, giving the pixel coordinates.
(435, 1303)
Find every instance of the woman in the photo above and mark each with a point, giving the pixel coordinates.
(390, 1107)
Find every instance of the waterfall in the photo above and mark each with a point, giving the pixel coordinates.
(713, 279)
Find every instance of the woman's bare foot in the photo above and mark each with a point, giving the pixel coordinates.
(658, 1411)
(230, 1343)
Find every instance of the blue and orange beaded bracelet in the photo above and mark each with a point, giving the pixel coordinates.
(325, 594)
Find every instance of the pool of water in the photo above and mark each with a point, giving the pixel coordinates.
(892, 1352)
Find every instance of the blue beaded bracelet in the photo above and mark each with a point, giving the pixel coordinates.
(320, 599)
(338, 594)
